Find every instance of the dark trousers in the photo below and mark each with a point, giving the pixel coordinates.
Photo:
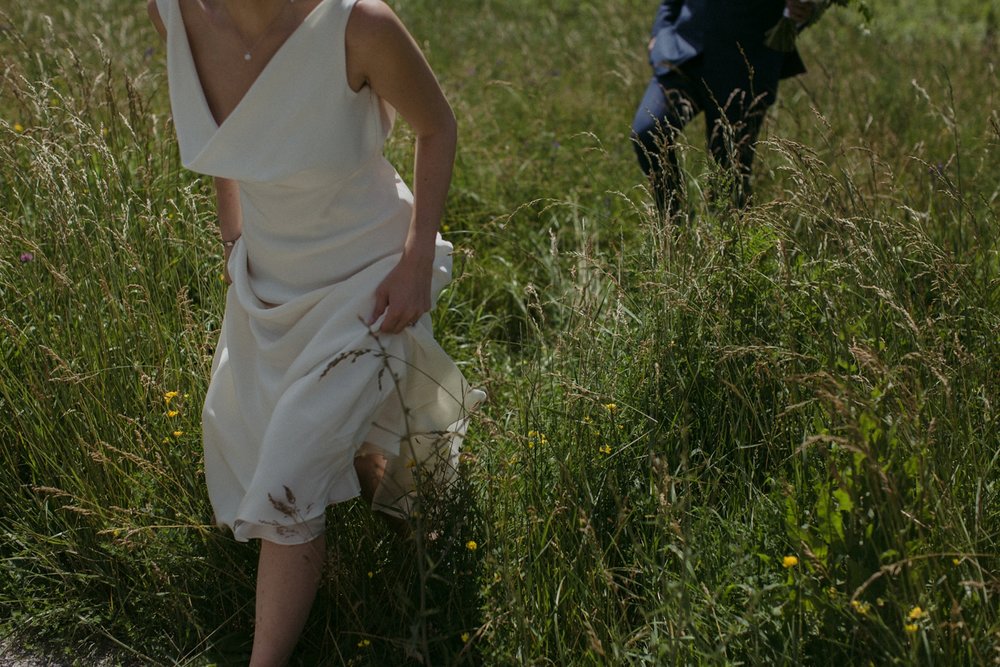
(733, 95)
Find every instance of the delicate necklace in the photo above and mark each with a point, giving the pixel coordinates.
(267, 29)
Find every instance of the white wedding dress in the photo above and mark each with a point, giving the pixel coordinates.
(299, 382)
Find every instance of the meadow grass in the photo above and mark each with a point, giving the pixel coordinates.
(759, 437)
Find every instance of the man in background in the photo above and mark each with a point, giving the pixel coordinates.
(710, 56)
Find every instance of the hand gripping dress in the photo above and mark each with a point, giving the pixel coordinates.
(300, 384)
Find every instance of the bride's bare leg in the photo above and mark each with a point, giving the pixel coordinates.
(287, 578)
(371, 469)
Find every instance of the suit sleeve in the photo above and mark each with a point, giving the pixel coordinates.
(667, 13)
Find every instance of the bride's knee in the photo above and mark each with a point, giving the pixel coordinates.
(370, 467)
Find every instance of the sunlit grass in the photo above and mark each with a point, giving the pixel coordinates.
(763, 437)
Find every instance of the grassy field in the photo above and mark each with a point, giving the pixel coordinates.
(762, 437)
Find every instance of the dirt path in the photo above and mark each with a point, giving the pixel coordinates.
(12, 656)
(9, 657)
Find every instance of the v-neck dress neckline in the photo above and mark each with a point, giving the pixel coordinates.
(278, 55)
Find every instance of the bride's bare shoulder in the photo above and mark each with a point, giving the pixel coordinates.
(370, 16)
(154, 16)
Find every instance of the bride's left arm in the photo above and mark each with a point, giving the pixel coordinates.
(382, 54)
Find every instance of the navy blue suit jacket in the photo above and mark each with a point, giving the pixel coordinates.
(683, 28)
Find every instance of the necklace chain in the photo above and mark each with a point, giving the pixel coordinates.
(247, 54)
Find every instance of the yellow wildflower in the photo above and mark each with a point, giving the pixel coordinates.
(915, 613)
(370, 574)
(465, 637)
(535, 437)
(173, 413)
(956, 561)
(18, 128)
(471, 545)
(364, 643)
(789, 561)
(911, 627)
(861, 607)
(605, 449)
(178, 434)
(170, 395)
(611, 407)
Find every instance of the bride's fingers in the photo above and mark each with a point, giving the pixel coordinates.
(381, 303)
(396, 322)
(393, 322)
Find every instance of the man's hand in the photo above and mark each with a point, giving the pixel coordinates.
(800, 12)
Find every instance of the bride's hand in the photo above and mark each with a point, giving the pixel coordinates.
(226, 252)
(405, 294)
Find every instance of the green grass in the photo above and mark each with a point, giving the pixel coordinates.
(672, 411)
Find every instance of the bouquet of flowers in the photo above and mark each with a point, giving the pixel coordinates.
(782, 36)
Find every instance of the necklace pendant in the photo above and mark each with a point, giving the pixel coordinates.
(246, 56)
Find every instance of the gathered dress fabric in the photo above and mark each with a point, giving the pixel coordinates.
(300, 383)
